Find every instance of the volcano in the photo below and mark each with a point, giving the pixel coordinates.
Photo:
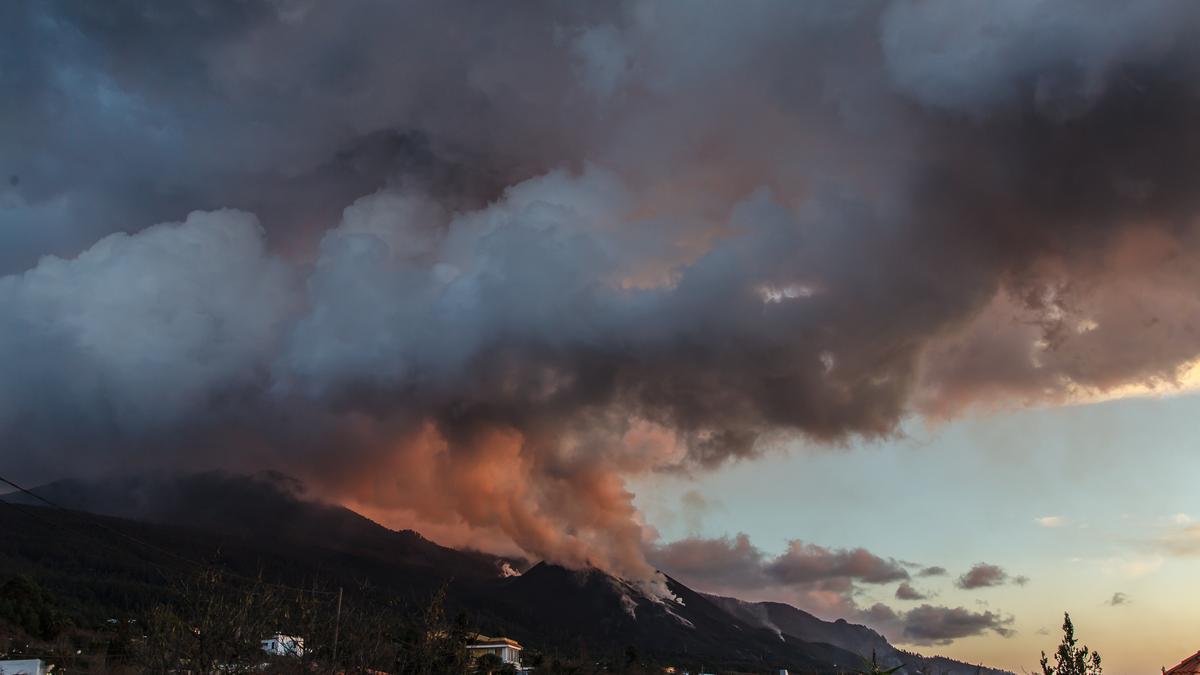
(264, 525)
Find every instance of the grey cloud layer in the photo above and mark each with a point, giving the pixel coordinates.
(732, 563)
(830, 582)
(983, 575)
(512, 254)
(906, 591)
(932, 625)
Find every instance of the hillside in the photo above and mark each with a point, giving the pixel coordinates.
(266, 507)
(154, 530)
(790, 621)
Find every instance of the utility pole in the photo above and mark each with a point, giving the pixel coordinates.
(337, 625)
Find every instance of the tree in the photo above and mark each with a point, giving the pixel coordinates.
(26, 605)
(216, 624)
(1071, 659)
(631, 656)
(872, 667)
(434, 643)
(487, 664)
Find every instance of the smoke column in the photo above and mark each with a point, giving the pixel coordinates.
(480, 263)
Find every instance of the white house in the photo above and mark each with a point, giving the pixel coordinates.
(508, 650)
(283, 645)
(25, 667)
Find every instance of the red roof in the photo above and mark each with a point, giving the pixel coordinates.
(1188, 666)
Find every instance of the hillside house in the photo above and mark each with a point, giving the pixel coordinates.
(509, 651)
(283, 645)
(25, 667)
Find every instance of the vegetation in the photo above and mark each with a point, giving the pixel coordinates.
(215, 623)
(1071, 658)
(162, 598)
(872, 667)
(490, 664)
(24, 604)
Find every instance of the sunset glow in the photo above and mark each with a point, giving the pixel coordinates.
(889, 311)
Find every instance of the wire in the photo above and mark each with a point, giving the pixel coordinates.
(28, 514)
(64, 527)
(206, 566)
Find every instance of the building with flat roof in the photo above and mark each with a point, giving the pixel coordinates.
(508, 650)
(283, 645)
(24, 667)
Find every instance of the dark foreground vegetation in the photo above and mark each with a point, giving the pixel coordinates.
(102, 595)
(213, 624)
(191, 573)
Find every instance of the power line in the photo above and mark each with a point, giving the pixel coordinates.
(64, 526)
(313, 591)
(205, 566)
(27, 514)
(104, 526)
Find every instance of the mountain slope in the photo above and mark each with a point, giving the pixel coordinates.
(266, 507)
(263, 526)
(663, 618)
(861, 640)
(96, 575)
(789, 620)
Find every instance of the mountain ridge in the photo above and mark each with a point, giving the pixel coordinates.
(546, 604)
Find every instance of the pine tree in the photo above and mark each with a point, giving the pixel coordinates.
(1071, 659)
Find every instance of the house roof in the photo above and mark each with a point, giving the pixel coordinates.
(485, 641)
(1188, 666)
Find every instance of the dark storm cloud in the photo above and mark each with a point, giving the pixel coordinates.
(928, 624)
(932, 624)
(719, 563)
(211, 104)
(932, 571)
(983, 575)
(808, 562)
(815, 577)
(736, 562)
(513, 254)
(1117, 599)
(906, 591)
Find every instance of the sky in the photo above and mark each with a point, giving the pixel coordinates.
(1084, 501)
(587, 282)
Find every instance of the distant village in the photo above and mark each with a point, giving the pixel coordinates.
(486, 655)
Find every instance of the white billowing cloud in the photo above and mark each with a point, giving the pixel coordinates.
(1051, 521)
(141, 329)
(397, 292)
(764, 151)
(409, 224)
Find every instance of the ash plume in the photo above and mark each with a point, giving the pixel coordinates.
(476, 264)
